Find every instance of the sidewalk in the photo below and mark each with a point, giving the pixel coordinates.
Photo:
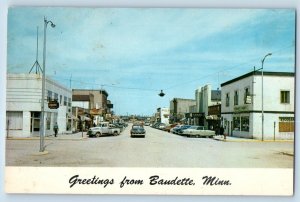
(73, 136)
(240, 139)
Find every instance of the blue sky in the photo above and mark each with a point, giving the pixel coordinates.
(134, 53)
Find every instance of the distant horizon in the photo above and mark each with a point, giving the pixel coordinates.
(135, 53)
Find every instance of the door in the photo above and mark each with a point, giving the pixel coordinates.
(35, 123)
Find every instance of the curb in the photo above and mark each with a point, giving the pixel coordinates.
(252, 140)
(20, 138)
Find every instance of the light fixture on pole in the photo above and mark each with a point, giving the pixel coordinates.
(161, 94)
(262, 95)
(42, 121)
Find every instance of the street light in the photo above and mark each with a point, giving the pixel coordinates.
(42, 124)
(161, 94)
(262, 95)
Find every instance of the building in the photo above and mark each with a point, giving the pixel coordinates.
(95, 101)
(206, 97)
(242, 105)
(23, 105)
(162, 115)
(179, 107)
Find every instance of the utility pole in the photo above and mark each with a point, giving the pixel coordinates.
(262, 94)
(42, 124)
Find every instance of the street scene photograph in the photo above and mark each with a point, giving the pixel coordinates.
(150, 87)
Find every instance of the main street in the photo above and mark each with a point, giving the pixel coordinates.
(157, 149)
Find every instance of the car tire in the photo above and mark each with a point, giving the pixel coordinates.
(98, 134)
(115, 133)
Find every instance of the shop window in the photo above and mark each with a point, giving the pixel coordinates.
(285, 97)
(14, 120)
(236, 123)
(286, 124)
(245, 123)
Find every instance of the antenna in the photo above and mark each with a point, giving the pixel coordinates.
(36, 64)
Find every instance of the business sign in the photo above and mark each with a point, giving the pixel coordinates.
(197, 115)
(53, 104)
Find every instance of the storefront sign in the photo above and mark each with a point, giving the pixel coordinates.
(53, 104)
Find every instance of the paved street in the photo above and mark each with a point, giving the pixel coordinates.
(157, 149)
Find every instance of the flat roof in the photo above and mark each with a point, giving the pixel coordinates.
(289, 74)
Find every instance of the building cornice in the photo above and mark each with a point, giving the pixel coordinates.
(259, 111)
(281, 74)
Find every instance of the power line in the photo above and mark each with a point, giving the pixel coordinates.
(250, 62)
(226, 69)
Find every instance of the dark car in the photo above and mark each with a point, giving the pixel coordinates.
(120, 126)
(137, 131)
(155, 125)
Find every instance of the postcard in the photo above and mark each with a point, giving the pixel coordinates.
(168, 101)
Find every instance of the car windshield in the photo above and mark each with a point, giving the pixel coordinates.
(137, 127)
(185, 126)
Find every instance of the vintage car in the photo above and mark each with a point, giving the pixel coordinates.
(180, 130)
(103, 128)
(198, 131)
(137, 131)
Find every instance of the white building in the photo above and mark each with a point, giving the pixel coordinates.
(23, 105)
(205, 97)
(164, 115)
(242, 105)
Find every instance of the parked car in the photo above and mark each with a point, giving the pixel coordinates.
(174, 130)
(161, 126)
(155, 125)
(198, 131)
(103, 128)
(118, 125)
(182, 128)
(169, 127)
(147, 123)
(137, 131)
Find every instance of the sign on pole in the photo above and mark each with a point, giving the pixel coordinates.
(53, 104)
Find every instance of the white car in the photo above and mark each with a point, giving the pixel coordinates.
(103, 128)
(198, 131)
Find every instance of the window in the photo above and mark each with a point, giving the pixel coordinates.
(245, 123)
(55, 96)
(236, 97)
(227, 99)
(286, 124)
(69, 102)
(236, 123)
(247, 97)
(284, 97)
(60, 99)
(65, 101)
(14, 120)
(49, 97)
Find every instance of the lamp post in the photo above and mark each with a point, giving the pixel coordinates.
(262, 95)
(42, 123)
